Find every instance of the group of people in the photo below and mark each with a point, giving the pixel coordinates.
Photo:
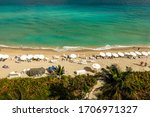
(144, 64)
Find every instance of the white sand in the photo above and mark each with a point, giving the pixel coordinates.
(69, 67)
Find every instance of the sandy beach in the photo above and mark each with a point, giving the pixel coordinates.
(70, 67)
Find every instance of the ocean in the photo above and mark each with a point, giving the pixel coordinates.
(76, 26)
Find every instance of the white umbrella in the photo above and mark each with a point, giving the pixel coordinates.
(108, 54)
(56, 57)
(138, 53)
(145, 53)
(36, 56)
(46, 58)
(133, 54)
(127, 53)
(5, 56)
(30, 56)
(148, 53)
(102, 54)
(115, 55)
(83, 62)
(120, 54)
(1, 56)
(96, 66)
(23, 57)
(41, 57)
(72, 56)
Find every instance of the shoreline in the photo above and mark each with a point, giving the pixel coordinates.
(69, 66)
(76, 48)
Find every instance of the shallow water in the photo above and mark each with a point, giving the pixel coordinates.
(57, 26)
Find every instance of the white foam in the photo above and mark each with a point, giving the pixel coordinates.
(72, 48)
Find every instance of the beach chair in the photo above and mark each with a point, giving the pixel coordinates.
(81, 72)
(14, 75)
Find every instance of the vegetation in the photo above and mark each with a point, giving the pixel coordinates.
(124, 85)
(117, 85)
(59, 70)
(56, 71)
(46, 88)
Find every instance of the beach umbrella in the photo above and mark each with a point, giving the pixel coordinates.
(41, 57)
(115, 55)
(144, 53)
(5, 56)
(23, 57)
(127, 53)
(96, 66)
(83, 62)
(138, 53)
(120, 54)
(36, 56)
(133, 54)
(56, 57)
(148, 53)
(108, 54)
(29, 56)
(1, 55)
(72, 56)
(102, 54)
(46, 58)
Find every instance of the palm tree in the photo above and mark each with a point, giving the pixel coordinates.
(117, 84)
(59, 70)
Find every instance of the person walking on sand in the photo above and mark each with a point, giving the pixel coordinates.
(141, 63)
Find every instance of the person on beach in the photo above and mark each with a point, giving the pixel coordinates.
(145, 64)
(141, 64)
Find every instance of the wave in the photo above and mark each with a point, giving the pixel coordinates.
(73, 48)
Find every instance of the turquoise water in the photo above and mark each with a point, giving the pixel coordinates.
(51, 26)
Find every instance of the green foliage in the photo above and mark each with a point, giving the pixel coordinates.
(124, 85)
(141, 83)
(59, 70)
(23, 88)
(46, 88)
(72, 88)
(56, 71)
(118, 85)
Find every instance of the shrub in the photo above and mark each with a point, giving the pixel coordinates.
(124, 85)
(46, 88)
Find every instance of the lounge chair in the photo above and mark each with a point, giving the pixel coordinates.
(14, 75)
(53, 61)
(80, 72)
